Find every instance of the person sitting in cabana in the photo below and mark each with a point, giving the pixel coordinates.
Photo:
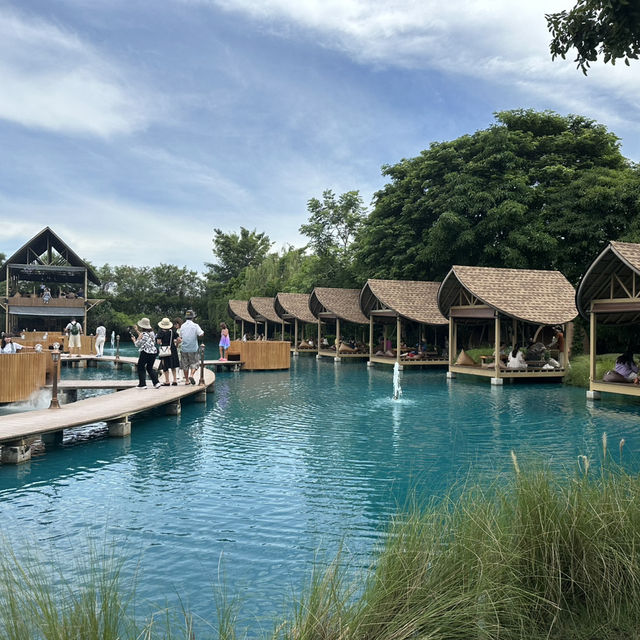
(515, 359)
(627, 368)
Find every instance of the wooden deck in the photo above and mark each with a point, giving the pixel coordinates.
(67, 385)
(408, 362)
(233, 365)
(623, 388)
(477, 370)
(330, 353)
(18, 427)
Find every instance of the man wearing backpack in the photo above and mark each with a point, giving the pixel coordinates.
(74, 331)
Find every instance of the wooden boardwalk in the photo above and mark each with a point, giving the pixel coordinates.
(66, 385)
(105, 408)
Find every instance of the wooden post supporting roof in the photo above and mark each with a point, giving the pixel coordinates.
(370, 337)
(337, 337)
(592, 346)
(497, 345)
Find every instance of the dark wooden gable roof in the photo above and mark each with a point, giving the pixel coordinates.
(36, 252)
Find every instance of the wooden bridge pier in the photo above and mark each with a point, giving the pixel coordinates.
(174, 408)
(16, 452)
(120, 428)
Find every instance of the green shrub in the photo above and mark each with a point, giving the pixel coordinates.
(578, 372)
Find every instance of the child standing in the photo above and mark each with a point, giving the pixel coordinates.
(224, 341)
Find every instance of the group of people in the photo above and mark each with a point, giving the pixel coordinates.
(175, 344)
(538, 352)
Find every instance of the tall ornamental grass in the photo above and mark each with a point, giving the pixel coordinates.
(535, 555)
(540, 556)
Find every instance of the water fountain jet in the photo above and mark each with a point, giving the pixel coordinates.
(397, 389)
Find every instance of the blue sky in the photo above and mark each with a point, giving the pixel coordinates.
(135, 127)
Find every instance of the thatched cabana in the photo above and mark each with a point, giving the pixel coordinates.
(339, 305)
(524, 300)
(294, 307)
(239, 311)
(396, 302)
(47, 260)
(262, 310)
(609, 294)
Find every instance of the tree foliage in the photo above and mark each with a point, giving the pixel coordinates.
(131, 292)
(331, 228)
(610, 28)
(235, 252)
(535, 190)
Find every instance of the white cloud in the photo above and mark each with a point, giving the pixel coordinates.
(102, 229)
(50, 79)
(496, 41)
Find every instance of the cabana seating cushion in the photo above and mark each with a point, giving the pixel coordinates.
(613, 376)
(346, 349)
(465, 359)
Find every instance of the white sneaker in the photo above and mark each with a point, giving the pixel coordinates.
(157, 385)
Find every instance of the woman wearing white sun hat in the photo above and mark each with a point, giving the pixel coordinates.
(145, 340)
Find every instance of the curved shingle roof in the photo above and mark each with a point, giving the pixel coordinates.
(238, 310)
(295, 305)
(536, 296)
(618, 261)
(411, 299)
(262, 309)
(342, 303)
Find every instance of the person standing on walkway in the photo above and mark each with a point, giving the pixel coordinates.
(189, 334)
(74, 331)
(101, 336)
(169, 361)
(145, 340)
(224, 341)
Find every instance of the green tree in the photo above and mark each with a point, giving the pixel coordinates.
(610, 28)
(235, 252)
(332, 226)
(132, 292)
(535, 190)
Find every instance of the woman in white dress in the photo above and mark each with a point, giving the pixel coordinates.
(515, 359)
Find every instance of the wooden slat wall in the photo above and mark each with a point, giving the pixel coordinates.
(31, 301)
(262, 355)
(32, 338)
(21, 374)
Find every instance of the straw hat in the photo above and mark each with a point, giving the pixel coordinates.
(165, 323)
(144, 323)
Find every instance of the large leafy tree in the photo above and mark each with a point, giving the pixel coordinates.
(331, 228)
(234, 252)
(535, 190)
(610, 28)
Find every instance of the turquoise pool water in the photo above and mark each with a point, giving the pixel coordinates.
(280, 465)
